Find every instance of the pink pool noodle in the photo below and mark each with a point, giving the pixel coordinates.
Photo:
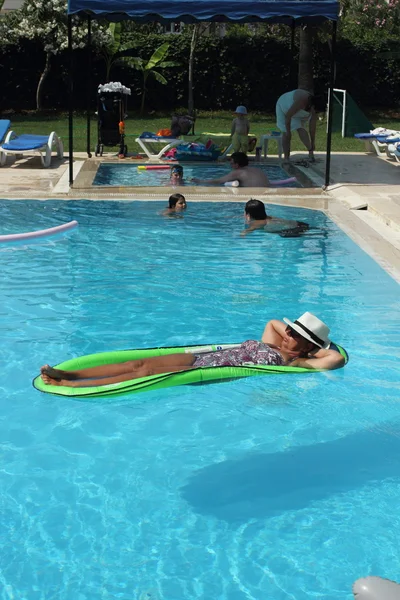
(16, 237)
(282, 181)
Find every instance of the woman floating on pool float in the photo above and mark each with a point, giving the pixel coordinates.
(257, 218)
(302, 343)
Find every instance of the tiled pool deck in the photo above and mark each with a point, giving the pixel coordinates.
(363, 199)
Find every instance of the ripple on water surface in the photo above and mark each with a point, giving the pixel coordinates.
(270, 487)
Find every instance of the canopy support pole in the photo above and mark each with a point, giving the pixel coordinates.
(89, 84)
(70, 105)
(330, 106)
(292, 66)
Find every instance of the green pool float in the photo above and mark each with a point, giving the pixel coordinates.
(163, 380)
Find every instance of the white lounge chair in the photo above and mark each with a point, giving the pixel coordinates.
(28, 143)
(168, 143)
(4, 126)
(379, 140)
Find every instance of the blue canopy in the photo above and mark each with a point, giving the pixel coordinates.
(192, 11)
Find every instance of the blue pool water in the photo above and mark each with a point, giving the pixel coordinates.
(130, 175)
(272, 487)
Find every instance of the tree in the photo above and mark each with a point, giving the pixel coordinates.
(368, 16)
(306, 70)
(198, 29)
(110, 50)
(148, 68)
(113, 50)
(45, 21)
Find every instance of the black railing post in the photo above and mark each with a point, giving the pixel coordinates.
(70, 104)
(330, 106)
(89, 84)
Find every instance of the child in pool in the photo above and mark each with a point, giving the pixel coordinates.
(257, 218)
(176, 175)
(176, 203)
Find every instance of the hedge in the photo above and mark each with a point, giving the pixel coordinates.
(236, 69)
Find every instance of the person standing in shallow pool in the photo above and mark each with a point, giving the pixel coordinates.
(294, 110)
(302, 343)
(257, 218)
(245, 175)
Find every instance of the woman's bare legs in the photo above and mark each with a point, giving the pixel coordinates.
(143, 371)
(119, 369)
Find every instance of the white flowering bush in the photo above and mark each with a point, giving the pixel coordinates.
(45, 22)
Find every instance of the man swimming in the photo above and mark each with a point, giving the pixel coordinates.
(257, 218)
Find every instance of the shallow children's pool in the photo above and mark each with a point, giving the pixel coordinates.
(130, 175)
(272, 487)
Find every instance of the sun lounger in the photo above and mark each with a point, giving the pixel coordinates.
(4, 127)
(27, 144)
(393, 150)
(168, 143)
(378, 140)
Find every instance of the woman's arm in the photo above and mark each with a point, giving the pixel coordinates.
(273, 332)
(326, 359)
(297, 105)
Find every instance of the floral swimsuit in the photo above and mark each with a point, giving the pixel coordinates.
(251, 351)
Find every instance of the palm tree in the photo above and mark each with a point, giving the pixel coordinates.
(148, 68)
(110, 51)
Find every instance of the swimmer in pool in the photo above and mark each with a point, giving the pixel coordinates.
(176, 204)
(176, 175)
(302, 343)
(257, 218)
(241, 172)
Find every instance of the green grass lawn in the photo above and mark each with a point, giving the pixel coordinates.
(219, 122)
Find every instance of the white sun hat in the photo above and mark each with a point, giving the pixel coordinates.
(312, 329)
(241, 110)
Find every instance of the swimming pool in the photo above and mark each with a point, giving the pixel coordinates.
(129, 174)
(270, 487)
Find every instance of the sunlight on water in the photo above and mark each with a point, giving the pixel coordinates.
(277, 487)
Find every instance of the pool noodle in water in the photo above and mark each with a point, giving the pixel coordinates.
(272, 182)
(153, 167)
(31, 235)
